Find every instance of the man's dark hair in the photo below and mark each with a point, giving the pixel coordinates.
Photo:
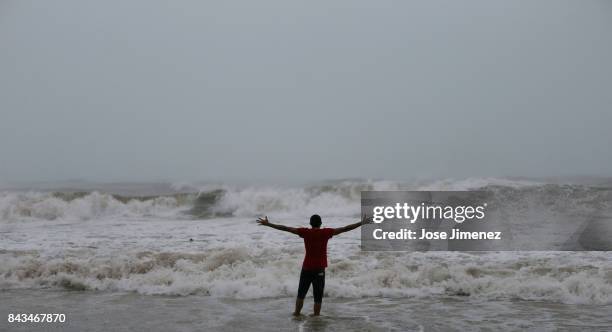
(315, 221)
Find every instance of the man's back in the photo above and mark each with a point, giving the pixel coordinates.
(315, 243)
(315, 260)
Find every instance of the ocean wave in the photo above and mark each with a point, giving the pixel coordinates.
(338, 198)
(245, 273)
(84, 206)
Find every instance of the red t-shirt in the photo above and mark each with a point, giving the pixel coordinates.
(315, 242)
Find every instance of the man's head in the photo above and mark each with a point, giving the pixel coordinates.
(315, 221)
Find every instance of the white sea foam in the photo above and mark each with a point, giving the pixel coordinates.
(143, 245)
(240, 272)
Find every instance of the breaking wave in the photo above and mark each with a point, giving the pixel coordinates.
(339, 198)
(245, 273)
(84, 206)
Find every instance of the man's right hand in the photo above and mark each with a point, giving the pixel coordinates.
(263, 221)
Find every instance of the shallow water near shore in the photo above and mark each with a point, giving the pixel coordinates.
(102, 311)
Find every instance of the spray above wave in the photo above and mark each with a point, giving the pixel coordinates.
(339, 198)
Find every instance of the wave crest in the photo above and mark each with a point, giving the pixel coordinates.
(82, 206)
(339, 198)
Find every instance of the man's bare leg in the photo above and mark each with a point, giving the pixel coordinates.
(317, 309)
(298, 306)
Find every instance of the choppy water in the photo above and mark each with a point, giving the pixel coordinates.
(205, 247)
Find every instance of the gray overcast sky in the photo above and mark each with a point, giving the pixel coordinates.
(285, 90)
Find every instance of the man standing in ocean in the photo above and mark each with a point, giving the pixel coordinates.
(315, 261)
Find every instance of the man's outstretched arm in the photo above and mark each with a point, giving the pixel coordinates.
(351, 227)
(264, 222)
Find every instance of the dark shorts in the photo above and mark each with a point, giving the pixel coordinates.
(317, 279)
